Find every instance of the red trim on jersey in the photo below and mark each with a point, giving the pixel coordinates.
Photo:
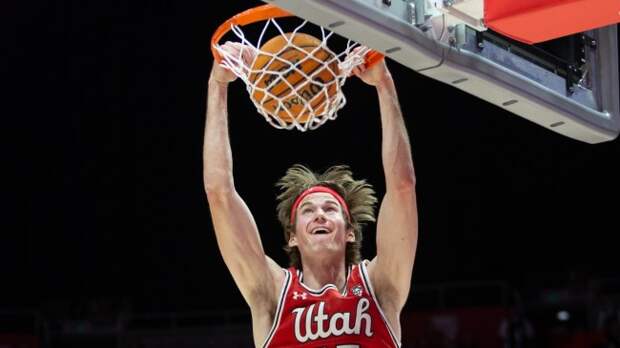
(316, 189)
(281, 301)
(366, 280)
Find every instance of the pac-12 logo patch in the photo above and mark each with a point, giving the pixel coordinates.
(357, 290)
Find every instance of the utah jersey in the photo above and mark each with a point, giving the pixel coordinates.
(326, 318)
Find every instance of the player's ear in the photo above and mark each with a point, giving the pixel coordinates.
(350, 235)
(292, 241)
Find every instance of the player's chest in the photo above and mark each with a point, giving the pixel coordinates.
(312, 316)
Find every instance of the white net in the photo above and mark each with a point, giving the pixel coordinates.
(297, 85)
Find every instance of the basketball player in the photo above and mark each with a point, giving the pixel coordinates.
(328, 297)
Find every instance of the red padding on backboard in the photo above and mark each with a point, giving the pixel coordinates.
(533, 21)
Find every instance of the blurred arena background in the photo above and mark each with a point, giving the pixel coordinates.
(106, 237)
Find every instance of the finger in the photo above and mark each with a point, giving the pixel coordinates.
(234, 44)
(249, 54)
(238, 52)
(360, 49)
(246, 57)
(225, 67)
(355, 51)
(245, 52)
(235, 47)
(230, 48)
(242, 47)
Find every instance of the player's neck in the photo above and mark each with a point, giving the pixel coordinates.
(322, 272)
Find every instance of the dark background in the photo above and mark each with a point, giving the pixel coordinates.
(104, 115)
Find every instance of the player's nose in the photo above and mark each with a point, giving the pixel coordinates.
(320, 216)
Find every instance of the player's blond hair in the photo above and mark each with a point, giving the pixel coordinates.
(359, 196)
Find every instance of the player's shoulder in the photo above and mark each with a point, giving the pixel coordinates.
(359, 271)
(366, 265)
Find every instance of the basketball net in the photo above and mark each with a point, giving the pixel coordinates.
(326, 97)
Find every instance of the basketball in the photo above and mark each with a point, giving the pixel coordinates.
(279, 70)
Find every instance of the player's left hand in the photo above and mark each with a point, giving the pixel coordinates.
(373, 75)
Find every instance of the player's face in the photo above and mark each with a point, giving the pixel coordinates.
(320, 225)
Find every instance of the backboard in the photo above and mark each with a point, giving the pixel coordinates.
(567, 84)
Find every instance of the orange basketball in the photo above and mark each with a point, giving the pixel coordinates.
(282, 77)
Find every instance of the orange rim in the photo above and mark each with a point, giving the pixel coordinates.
(261, 13)
(373, 57)
(253, 15)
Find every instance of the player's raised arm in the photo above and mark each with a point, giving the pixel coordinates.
(237, 235)
(397, 223)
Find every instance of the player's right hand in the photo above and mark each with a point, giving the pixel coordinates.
(246, 54)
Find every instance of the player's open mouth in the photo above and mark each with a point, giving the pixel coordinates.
(320, 230)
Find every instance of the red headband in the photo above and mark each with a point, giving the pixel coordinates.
(316, 189)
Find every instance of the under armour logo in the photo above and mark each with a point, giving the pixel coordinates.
(357, 290)
(299, 295)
